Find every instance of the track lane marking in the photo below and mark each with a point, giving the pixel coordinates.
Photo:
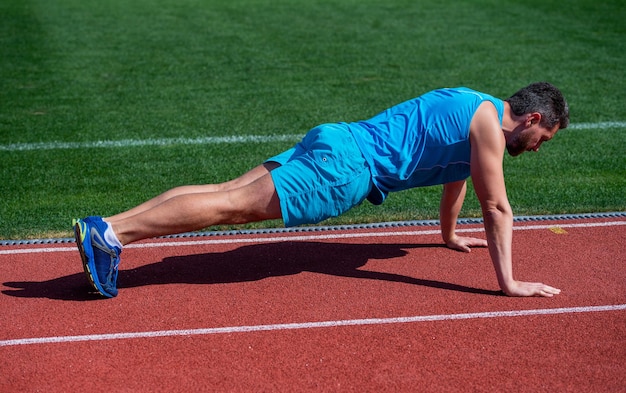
(35, 250)
(308, 325)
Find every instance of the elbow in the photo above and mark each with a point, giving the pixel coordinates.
(497, 212)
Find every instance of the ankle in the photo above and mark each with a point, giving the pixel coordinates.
(111, 237)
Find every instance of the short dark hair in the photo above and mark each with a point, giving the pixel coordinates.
(544, 98)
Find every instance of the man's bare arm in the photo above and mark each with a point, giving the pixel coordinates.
(488, 146)
(451, 203)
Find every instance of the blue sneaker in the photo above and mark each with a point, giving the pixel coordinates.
(100, 259)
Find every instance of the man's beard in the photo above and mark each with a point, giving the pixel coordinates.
(519, 144)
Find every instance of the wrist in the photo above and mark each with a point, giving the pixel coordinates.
(508, 287)
(447, 235)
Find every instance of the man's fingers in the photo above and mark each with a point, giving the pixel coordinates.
(548, 291)
(473, 242)
(464, 244)
(521, 288)
(479, 242)
(458, 245)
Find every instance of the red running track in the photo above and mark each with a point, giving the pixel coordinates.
(375, 310)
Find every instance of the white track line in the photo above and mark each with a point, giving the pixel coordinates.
(35, 250)
(216, 140)
(309, 325)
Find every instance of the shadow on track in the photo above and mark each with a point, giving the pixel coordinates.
(247, 263)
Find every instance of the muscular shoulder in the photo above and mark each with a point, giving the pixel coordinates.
(485, 128)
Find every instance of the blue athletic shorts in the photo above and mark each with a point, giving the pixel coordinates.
(323, 176)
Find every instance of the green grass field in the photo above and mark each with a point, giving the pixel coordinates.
(82, 71)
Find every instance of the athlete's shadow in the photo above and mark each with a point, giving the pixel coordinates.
(247, 263)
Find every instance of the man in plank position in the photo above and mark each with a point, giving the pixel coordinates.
(441, 137)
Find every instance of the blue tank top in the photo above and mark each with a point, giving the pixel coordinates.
(420, 142)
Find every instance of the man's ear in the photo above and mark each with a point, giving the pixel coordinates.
(533, 118)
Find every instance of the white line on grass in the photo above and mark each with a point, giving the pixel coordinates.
(217, 140)
(309, 325)
(36, 250)
(603, 124)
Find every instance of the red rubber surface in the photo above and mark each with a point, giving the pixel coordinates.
(305, 278)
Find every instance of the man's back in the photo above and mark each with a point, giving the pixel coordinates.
(422, 141)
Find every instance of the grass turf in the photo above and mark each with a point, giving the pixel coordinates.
(85, 71)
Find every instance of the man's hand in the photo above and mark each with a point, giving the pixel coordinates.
(464, 244)
(520, 288)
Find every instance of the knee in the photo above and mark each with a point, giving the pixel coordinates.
(174, 192)
(247, 207)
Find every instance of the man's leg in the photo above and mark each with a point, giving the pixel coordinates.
(251, 197)
(241, 181)
(189, 211)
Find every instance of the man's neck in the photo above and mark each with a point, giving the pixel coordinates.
(510, 121)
